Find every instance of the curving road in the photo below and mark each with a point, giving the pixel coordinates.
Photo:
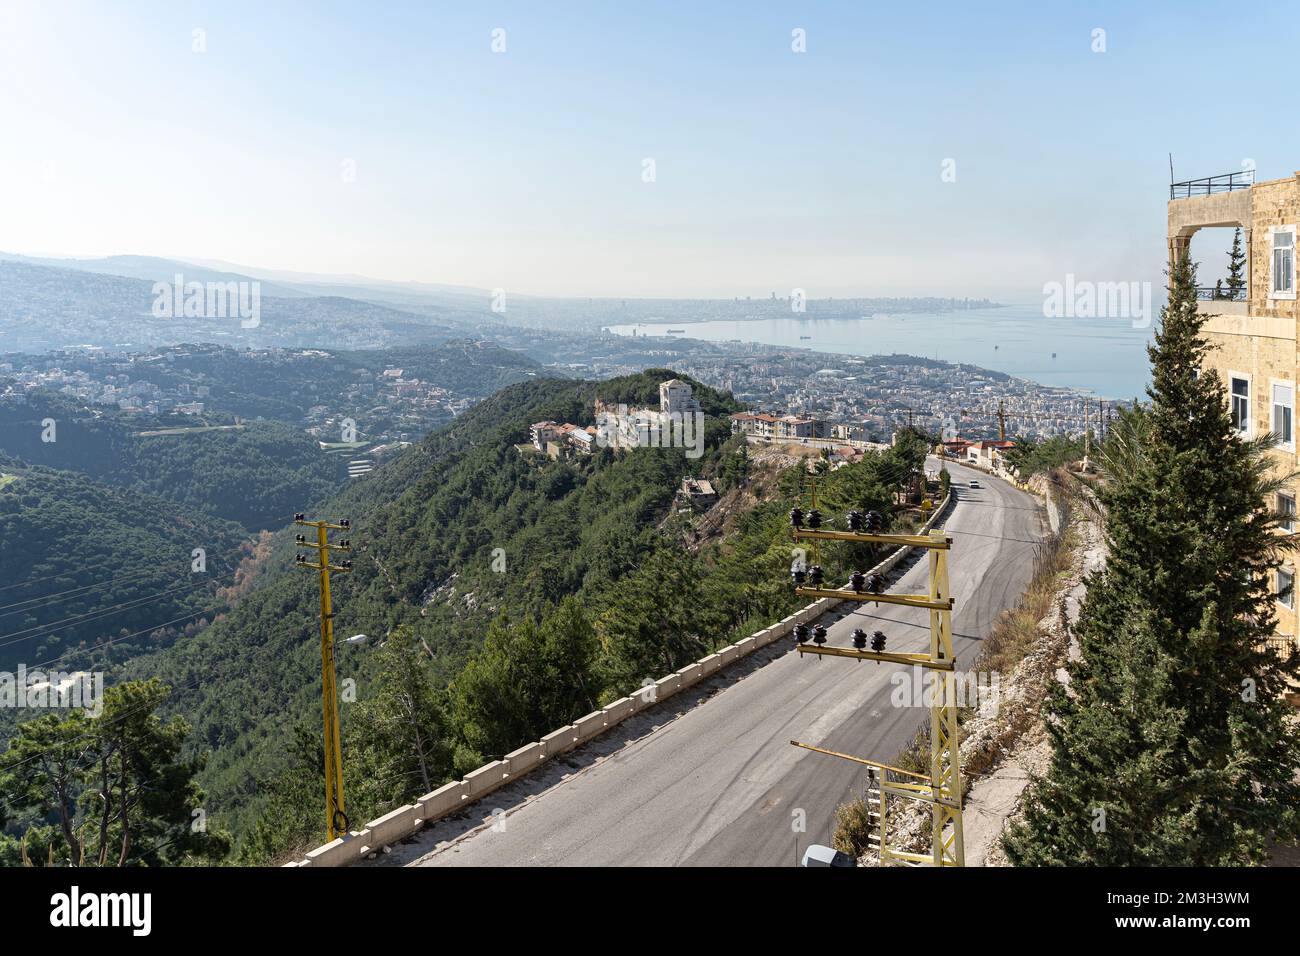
(713, 780)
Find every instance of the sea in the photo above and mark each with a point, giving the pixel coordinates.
(1106, 357)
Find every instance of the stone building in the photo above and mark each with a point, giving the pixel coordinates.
(1254, 329)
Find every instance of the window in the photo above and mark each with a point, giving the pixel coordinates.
(1283, 262)
(1285, 587)
(1284, 414)
(1240, 403)
(1286, 512)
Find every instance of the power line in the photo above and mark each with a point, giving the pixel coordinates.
(40, 630)
(61, 594)
(123, 637)
(58, 574)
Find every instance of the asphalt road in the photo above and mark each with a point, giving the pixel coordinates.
(716, 781)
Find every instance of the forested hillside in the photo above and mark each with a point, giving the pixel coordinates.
(503, 594)
(85, 566)
(257, 474)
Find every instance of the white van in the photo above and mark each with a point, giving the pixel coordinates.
(818, 855)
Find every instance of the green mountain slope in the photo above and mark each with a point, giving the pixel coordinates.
(83, 564)
(513, 592)
(254, 474)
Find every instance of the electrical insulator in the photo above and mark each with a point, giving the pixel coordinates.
(819, 635)
(878, 641)
(855, 521)
(801, 633)
(299, 516)
(875, 583)
(798, 575)
(814, 519)
(345, 524)
(859, 638)
(815, 576)
(302, 559)
(857, 581)
(301, 539)
(796, 517)
(875, 522)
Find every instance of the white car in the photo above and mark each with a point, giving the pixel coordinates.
(974, 483)
(818, 855)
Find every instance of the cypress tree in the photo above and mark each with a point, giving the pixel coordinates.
(1172, 745)
(1236, 266)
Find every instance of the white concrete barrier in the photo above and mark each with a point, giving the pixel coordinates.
(689, 675)
(590, 726)
(525, 758)
(443, 800)
(560, 741)
(665, 687)
(619, 711)
(404, 821)
(331, 854)
(486, 778)
(392, 826)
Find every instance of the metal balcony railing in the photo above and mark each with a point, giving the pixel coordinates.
(1221, 294)
(1281, 644)
(1210, 185)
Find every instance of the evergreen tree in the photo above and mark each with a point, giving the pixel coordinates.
(656, 621)
(526, 680)
(1236, 267)
(1172, 745)
(292, 816)
(400, 726)
(115, 785)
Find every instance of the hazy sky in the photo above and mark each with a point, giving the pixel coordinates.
(523, 170)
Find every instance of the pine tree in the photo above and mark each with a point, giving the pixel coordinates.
(400, 724)
(115, 785)
(1172, 745)
(1236, 267)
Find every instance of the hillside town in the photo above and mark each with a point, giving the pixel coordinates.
(871, 395)
(398, 400)
(619, 426)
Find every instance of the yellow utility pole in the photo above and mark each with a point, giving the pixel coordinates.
(941, 788)
(336, 818)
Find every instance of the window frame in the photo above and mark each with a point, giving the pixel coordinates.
(1273, 291)
(1287, 601)
(1249, 430)
(1272, 411)
(1284, 524)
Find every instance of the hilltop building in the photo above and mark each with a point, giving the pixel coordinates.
(1253, 327)
(675, 397)
(624, 427)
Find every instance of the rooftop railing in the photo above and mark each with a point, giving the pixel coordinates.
(1220, 294)
(1210, 185)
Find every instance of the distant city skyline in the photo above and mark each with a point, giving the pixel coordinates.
(666, 151)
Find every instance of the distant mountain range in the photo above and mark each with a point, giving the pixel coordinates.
(45, 307)
(49, 303)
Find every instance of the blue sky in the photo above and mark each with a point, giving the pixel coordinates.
(524, 169)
